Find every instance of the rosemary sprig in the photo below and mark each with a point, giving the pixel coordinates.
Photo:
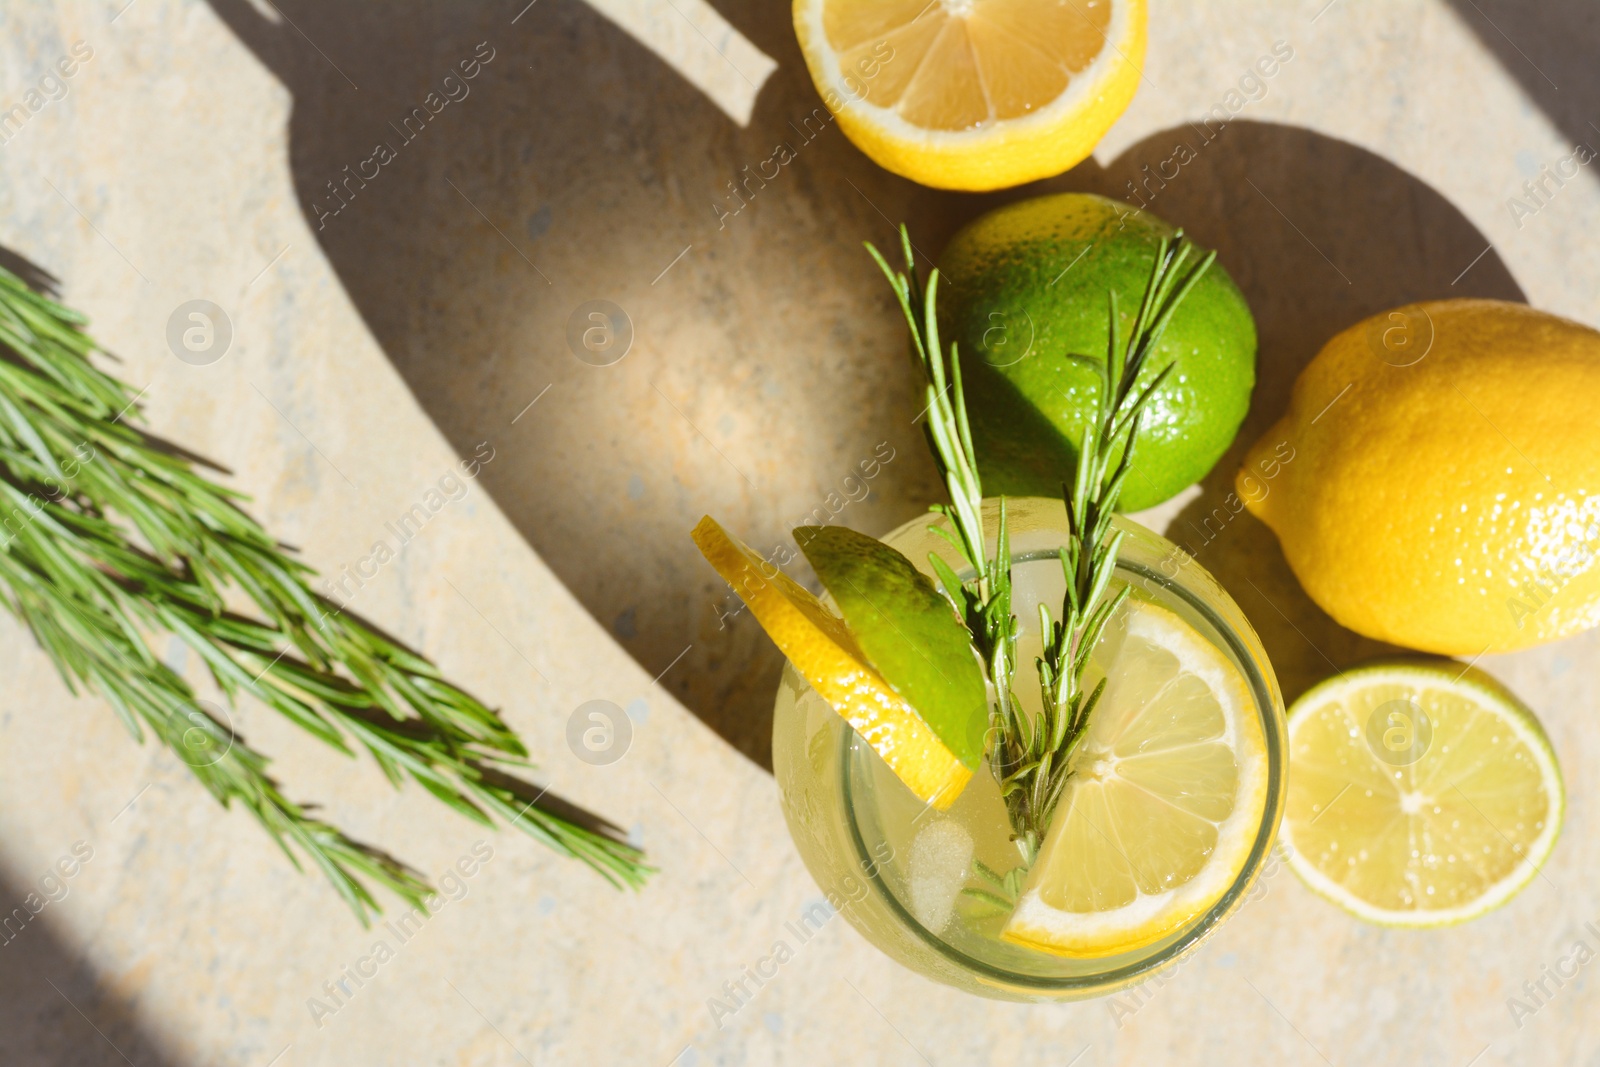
(984, 599)
(996, 894)
(109, 537)
(1038, 767)
(1029, 755)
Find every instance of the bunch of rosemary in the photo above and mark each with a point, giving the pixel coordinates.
(110, 538)
(1031, 756)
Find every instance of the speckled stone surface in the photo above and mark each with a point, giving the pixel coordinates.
(387, 327)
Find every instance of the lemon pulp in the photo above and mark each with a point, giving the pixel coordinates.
(959, 64)
(1165, 801)
(1419, 795)
(974, 94)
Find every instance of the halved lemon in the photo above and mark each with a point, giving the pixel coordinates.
(1166, 798)
(974, 94)
(822, 650)
(1420, 794)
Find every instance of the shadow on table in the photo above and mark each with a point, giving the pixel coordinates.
(1550, 49)
(766, 380)
(53, 1009)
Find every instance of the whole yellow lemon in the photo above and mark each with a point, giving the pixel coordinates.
(1442, 485)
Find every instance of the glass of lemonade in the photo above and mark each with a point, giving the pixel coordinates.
(920, 883)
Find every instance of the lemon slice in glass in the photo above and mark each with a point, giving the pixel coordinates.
(1165, 801)
(821, 648)
(974, 94)
(1420, 794)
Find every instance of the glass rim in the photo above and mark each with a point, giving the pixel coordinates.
(1104, 982)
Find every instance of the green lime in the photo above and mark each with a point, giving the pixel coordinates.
(1025, 287)
(907, 630)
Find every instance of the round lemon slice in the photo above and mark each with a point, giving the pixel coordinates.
(974, 94)
(822, 650)
(1419, 794)
(1166, 798)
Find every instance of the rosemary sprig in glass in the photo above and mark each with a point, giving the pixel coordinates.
(984, 599)
(110, 537)
(1031, 756)
(1038, 764)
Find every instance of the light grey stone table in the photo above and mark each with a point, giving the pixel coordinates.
(385, 327)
